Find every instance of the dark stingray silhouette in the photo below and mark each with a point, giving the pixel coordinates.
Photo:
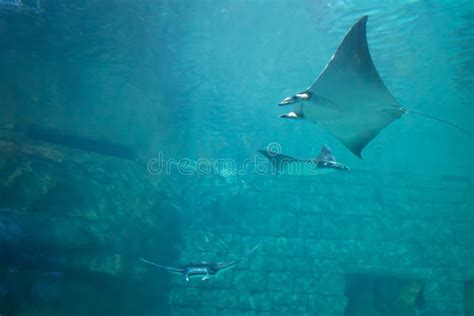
(203, 270)
(349, 98)
(325, 161)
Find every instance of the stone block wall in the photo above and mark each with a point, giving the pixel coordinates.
(315, 231)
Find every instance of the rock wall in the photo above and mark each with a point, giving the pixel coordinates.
(316, 232)
(401, 236)
(72, 227)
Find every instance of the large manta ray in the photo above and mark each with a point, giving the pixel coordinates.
(349, 98)
(203, 270)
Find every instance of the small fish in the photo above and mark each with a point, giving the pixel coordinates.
(204, 270)
(53, 274)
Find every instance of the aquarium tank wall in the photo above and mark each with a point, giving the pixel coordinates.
(138, 150)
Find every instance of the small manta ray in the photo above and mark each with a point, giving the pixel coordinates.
(349, 99)
(204, 270)
(290, 165)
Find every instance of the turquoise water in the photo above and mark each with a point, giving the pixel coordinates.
(120, 83)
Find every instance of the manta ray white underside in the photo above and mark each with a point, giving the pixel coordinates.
(349, 98)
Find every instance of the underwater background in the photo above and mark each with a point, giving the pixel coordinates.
(91, 92)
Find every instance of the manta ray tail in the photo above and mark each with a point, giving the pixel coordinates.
(442, 121)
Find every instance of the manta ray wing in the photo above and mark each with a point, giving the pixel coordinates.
(360, 105)
(226, 265)
(169, 269)
(326, 154)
